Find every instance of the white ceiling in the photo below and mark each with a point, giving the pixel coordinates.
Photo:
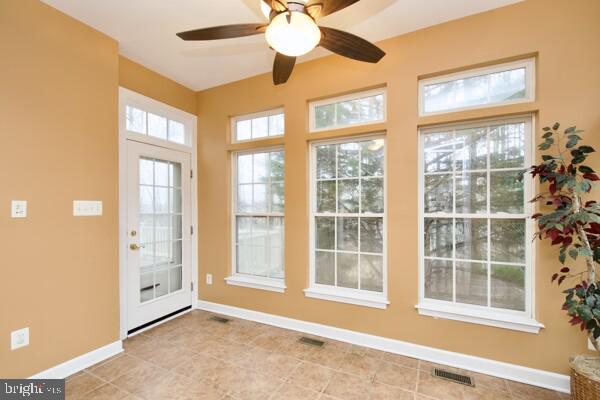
(145, 30)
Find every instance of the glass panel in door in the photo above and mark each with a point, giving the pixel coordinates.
(160, 228)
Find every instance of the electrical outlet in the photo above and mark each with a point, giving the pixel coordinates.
(19, 338)
(19, 209)
(209, 279)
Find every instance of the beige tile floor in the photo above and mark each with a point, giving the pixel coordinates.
(192, 357)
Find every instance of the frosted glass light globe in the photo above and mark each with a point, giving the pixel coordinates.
(295, 38)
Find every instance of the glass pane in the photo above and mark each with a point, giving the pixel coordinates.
(471, 283)
(371, 235)
(326, 162)
(325, 233)
(276, 125)
(506, 192)
(162, 228)
(507, 146)
(276, 232)
(135, 120)
(161, 200)
(244, 259)
(348, 196)
(471, 193)
(471, 239)
(146, 171)
(347, 234)
(260, 127)
(146, 287)
(348, 160)
(146, 199)
(325, 268)
(244, 203)
(244, 231)
(371, 272)
(326, 196)
(347, 270)
(324, 116)
(175, 280)
(438, 193)
(161, 173)
(176, 132)
(175, 174)
(244, 164)
(260, 197)
(176, 202)
(491, 88)
(146, 228)
(147, 255)
(438, 237)
(277, 166)
(176, 227)
(176, 253)
(438, 152)
(157, 126)
(243, 130)
(470, 149)
(371, 108)
(348, 112)
(372, 195)
(162, 282)
(261, 172)
(277, 197)
(372, 157)
(259, 231)
(508, 287)
(260, 265)
(276, 267)
(162, 254)
(508, 240)
(438, 279)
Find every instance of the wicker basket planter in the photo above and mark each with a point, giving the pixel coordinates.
(585, 378)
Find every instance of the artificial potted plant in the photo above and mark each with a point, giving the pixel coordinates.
(570, 219)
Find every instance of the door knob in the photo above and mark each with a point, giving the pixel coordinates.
(134, 246)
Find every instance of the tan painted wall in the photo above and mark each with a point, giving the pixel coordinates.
(140, 79)
(563, 33)
(58, 142)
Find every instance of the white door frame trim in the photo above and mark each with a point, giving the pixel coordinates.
(127, 96)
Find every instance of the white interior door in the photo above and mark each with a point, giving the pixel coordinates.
(159, 237)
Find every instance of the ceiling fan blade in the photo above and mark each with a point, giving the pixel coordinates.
(277, 5)
(223, 32)
(329, 6)
(349, 45)
(282, 68)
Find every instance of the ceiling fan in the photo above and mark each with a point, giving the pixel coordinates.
(292, 31)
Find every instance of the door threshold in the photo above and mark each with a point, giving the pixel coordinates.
(158, 321)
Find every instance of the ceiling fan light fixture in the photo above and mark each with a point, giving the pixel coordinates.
(265, 9)
(294, 38)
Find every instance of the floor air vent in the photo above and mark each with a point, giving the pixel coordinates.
(219, 319)
(451, 376)
(312, 342)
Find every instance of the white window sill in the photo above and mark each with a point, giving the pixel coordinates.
(347, 296)
(481, 317)
(257, 282)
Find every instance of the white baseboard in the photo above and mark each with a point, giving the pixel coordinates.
(531, 376)
(77, 364)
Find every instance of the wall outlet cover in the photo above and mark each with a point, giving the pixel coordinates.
(19, 338)
(19, 209)
(209, 279)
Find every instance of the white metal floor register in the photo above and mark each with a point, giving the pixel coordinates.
(33, 389)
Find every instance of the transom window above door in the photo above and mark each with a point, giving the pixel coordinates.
(348, 261)
(476, 257)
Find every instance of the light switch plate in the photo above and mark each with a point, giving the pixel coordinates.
(19, 338)
(209, 279)
(19, 209)
(87, 208)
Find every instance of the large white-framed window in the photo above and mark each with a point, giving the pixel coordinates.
(355, 109)
(347, 221)
(475, 251)
(258, 219)
(258, 126)
(500, 84)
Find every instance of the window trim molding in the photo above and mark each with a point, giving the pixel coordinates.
(341, 294)
(338, 99)
(245, 117)
(509, 319)
(235, 278)
(530, 76)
